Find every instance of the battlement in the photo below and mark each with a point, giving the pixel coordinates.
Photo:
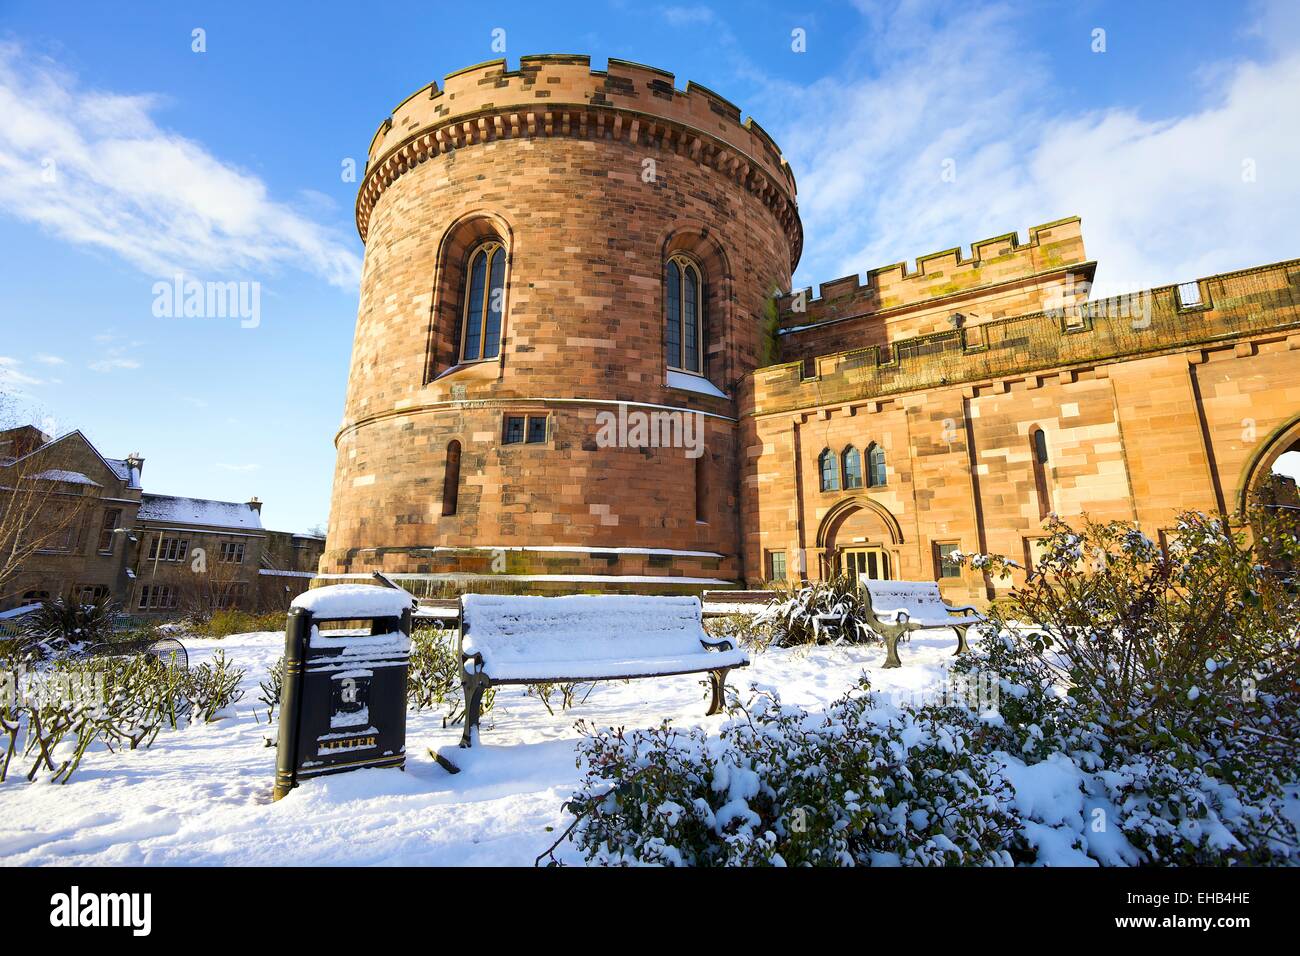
(551, 80)
(1052, 247)
(1223, 309)
(560, 95)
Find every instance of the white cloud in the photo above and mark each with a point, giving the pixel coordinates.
(114, 359)
(93, 168)
(12, 379)
(1162, 199)
(45, 359)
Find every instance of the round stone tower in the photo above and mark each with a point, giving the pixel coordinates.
(566, 280)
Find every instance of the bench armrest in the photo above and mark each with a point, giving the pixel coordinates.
(476, 657)
(717, 643)
(894, 616)
(963, 608)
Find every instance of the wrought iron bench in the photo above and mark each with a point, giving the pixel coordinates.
(899, 607)
(557, 640)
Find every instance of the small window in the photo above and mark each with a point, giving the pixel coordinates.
(232, 552)
(451, 478)
(92, 593)
(776, 566)
(31, 597)
(1189, 294)
(852, 468)
(514, 430)
(876, 464)
(1034, 548)
(106, 529)
(829, 466)
(1040, 446)
(1038, 443)
(948, 565)
(536, 429)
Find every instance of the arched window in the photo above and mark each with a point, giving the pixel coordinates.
(829, 465)
(876, 466)
(684, 322)
(451, 478)
(483, 297)
(1038, 444)
(852, 468)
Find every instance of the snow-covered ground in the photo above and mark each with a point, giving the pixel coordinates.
(202, 795)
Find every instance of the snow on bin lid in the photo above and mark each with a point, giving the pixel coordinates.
(346, 601)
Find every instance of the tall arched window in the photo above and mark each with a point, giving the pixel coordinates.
(451, 478)
(1038, 442)
(484, 298)
(829, 465)
(684, 323)
(875, 465)
(852, 468)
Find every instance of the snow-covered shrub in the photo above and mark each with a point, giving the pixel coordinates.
(818, 612)
(743, 629)
(856, 785)
(1170, 675)
(62, 622)
(213, 686)
(434, 674)
(269, 689)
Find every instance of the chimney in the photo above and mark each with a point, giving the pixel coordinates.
(135, 462)
(255, 503)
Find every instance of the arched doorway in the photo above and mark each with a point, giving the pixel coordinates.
(859, 536)
(1257, 480)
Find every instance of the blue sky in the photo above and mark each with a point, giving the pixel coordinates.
(126, 157)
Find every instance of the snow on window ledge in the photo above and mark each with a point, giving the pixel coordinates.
(694, 383)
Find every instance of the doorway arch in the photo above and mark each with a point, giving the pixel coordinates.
(1284, 438)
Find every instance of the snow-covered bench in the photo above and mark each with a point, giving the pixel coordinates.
(555, 640)
(900, 607)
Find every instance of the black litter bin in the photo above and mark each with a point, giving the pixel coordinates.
(343, 701)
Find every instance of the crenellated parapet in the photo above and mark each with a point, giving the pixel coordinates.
(1052, 248)
(560, 95)
(1215, 312)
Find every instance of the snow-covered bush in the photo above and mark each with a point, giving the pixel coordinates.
(62, 622)
(52, 713)
(1169, 675)
(213, 686)
(856, 785)
(818, 612)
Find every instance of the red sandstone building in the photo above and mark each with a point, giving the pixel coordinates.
(577, 364)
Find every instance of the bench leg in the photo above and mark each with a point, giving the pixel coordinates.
(891, 649)
(893, 633)
(717, 684)
(962, 646)
(473, 688)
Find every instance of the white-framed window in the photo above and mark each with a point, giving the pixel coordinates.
(106, 529)
(684, 321)
(483, 301)
(168, 549)
(232, 552)
(155, 597)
